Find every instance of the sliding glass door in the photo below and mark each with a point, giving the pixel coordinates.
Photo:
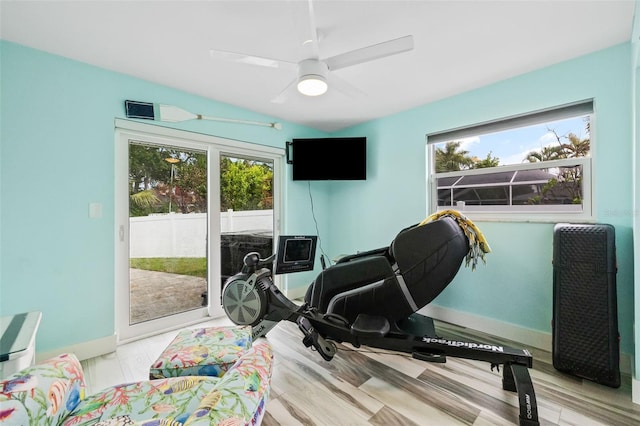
(188, 208)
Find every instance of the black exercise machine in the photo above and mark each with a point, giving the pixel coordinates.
(372, 298)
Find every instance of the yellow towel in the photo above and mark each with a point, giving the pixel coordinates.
(478, 245)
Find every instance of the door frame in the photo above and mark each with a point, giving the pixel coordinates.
(214, 146)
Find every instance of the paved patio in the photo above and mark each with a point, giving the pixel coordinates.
(159, 294)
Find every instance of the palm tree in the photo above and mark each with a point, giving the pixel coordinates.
(569, 146)
(576, 147)
(143, 202)
(546, 153)
(452, 159)
(569, 179)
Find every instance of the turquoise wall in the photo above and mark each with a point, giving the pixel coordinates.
(57, 156)
(516, 284)
(57, 146)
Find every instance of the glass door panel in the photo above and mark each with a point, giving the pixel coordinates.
(246, 210)
(168, 223)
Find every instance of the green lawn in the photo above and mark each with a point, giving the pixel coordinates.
(194, 266)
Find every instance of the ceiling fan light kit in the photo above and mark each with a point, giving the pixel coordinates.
(315, 74)
(312, 80)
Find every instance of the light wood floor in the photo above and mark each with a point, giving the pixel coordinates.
(367, 387)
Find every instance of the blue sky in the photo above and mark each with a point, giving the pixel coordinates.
(512, 146)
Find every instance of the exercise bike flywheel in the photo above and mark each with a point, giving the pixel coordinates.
(243, 302)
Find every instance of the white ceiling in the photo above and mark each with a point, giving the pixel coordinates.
(459, 46)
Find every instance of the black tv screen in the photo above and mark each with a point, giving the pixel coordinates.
(330, 158)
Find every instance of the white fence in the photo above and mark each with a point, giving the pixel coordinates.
(184, 235)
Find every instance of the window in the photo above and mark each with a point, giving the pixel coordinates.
(531, 167)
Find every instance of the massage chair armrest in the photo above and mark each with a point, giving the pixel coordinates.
(241, 393)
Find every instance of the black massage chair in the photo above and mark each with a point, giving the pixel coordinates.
(392, 282)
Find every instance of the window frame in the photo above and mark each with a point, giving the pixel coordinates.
(514, 213)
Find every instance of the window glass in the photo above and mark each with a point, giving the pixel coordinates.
(515, 166)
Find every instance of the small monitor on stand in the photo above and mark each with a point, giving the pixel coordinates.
(295, 253)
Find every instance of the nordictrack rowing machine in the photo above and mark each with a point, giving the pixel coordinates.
(370, 299)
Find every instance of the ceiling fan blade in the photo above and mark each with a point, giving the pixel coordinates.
(250, 59)
(282, 96)
(313, 41)
(370, 53)
(303, 18)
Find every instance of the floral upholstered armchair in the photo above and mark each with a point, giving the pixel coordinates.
(53, 393)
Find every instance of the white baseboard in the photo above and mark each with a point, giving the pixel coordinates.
(526, 336)
(84, 350)
(537, 339)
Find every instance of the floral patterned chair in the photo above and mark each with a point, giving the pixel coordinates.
(53, 393)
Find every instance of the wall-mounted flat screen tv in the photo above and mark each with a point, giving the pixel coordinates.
(329, 158)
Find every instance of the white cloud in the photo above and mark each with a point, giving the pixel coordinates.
(516, 158)
(548, 139)
(467, 143)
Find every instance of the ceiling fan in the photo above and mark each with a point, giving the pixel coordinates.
(314, 75)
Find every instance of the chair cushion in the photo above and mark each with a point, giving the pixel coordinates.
(347, 276)
(202, 352)
(171, 400)
(42, 394)
(240, 396)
